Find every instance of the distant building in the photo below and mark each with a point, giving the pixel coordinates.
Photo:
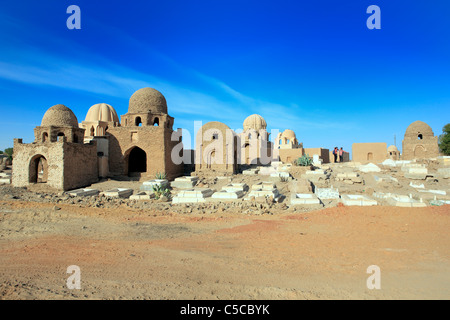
(419, 142)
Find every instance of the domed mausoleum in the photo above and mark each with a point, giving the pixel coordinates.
(58, 156)
(393, 153)
(99, 118)
(147, 107)
(143, 143)
(419, 142)
(66, 155)
(255, 147)
(288, 147)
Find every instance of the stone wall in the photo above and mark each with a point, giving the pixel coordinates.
(323, 154)
(369, 152)
(80, 165)
(153, 140)
(290, 155)
(216, 149)
(23, 156)
(420, 149)
(67, 165)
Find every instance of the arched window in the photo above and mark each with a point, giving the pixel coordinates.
(75, 138)
(156, 122)
(44, 136)
(60, 136)
(281, 141)
(92, 131)
(420, 137)
(138, 122)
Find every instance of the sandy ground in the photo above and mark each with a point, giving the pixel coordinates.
(131, 253)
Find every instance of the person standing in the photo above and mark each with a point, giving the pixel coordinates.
(335, 153)
(341, 155)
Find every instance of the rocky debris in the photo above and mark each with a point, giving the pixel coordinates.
(327, 193)
(300, 186)
(349, 178)
(346, 177)
(370, 167)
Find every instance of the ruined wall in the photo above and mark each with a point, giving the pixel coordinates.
(323, 154)
(24, 155)
(290, 155)
(80, 165)
(67, 165)
(369, 152)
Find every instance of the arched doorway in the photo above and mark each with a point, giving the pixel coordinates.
(137, 161)
(420, 152)
(210, 159)
(247, 160)
(38, 169)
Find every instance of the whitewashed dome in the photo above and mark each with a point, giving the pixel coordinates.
(254, 122)
(102, 112)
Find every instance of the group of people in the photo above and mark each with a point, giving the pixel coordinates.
(338, 152)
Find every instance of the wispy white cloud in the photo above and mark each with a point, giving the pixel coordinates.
(205, 98)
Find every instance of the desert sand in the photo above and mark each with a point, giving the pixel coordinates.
(128, 252)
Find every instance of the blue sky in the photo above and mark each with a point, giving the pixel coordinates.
(310, 66)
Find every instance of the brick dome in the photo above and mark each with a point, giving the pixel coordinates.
(147, 100)
(418, 128)
(59, 116)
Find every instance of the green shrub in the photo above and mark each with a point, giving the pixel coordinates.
(161, 191)
(304, 161)
(9, 153)
(161, 175)
(444, 140)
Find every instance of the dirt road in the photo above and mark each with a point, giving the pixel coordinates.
(126, 253)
